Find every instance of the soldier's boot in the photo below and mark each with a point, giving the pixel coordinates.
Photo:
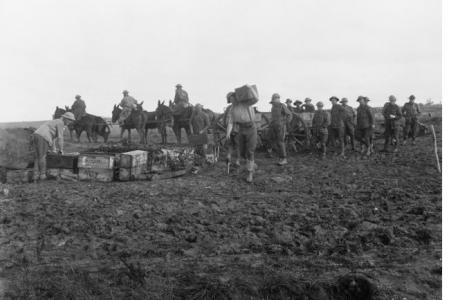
(323, 155)
(250, 166)
(282, 162)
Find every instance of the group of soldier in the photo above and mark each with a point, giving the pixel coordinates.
(342, 123)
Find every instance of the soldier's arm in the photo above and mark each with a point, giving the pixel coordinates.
(399, 113)
(418, 111)
(370, 116)
(287, 113)
(60, 136)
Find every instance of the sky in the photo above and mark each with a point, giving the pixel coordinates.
(51, 50)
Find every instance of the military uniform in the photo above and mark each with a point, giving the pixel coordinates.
(79, 108)
(365, 122)
(350, 123)
(241, 117)
(392, 114)
(320, 124)
(280, 117)
(410, 111)
(337, 126)
(128, 104)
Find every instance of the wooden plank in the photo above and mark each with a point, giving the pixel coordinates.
(96, 161)
(93, 174)
(133, 159)
(62, 161)
(16, 149)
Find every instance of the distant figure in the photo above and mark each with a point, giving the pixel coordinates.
(280, 117)
(181, 96)
(410, 111)
(349, 121)
(232, 144)
(200, 123)
(320, 123)
(298, 107)
(392, 114)
(78, 107)
(128, 104)
(365, 124)
(45, 137)
(337, 126)
(289, 102)
(241, 119)
(308, 106)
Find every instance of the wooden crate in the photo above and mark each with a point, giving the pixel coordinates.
(96, 161)
(133, 159)
(96, 174)
(132, 164)
(19, 176)
(62, 161)
(16, 148)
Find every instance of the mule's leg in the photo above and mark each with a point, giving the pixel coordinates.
(129, 136)
(122, 130)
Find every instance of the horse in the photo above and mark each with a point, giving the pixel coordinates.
(136, 120)
(59, 112)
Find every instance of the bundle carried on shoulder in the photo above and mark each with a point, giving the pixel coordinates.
(247, 93)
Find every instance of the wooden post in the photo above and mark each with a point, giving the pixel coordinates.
(435, 147)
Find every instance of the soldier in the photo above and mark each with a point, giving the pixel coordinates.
(410, 111)
(280, 117)
(200, 123)
(44, 138)
(78, 107)
(232, 144)
(365, 123)
(308, 106)
(337, 126)
(392, 114)
(289, 102)
(297, 105)
(128, 104)
(181, 96)
(320, 123)
(241, 119)
(349, 121)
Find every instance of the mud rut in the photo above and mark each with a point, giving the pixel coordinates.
(332, 229)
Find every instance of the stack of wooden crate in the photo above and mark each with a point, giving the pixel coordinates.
(96, 167)
(133, 165)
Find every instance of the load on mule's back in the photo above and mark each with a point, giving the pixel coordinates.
(129, 114)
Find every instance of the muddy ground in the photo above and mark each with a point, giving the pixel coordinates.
(315, 229)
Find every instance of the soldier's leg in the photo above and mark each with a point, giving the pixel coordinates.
(387, 135)
(351, 131)
(272, 140)
(407, 129)
(42, 149)
(414, 128)
(281, 141)
(396, 129)
(251, 140)
(341, 137)
(323, 141)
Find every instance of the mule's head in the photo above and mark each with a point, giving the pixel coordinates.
(163, 112)
(140, 106)
(58, 112)
(116, 113)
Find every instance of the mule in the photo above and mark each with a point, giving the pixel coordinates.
(137, 120)
(93, 125)
(160, 119)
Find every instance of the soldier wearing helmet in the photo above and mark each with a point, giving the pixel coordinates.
(128, 104)
(410, 111)
(392, 114)
(280, 117)
(78, 107)
(320, 124)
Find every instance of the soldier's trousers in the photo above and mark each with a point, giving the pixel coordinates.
(411, 128)
(391, 131)
(365, 135)
(247, 139)
(41, 147)
(278, 138)
(233, 144)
